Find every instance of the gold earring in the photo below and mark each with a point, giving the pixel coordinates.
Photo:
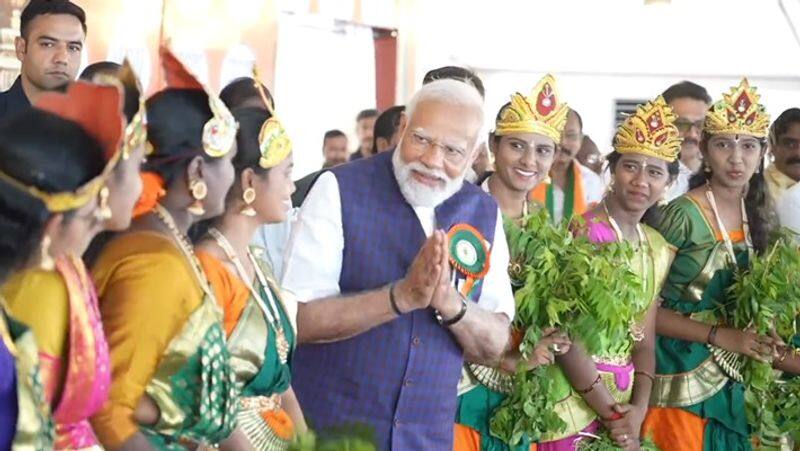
(103, 212)
(249, 196)
(706, 168)
(46, 262)
(547, 180)
(199, 191)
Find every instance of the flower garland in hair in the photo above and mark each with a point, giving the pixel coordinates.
(568, 282)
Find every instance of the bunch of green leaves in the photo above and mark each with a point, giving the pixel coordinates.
(767, 298)
(347, 438)
(786, 394)
(604, 442)
(568, 282)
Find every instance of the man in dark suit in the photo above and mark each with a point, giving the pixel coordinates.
(52, 35)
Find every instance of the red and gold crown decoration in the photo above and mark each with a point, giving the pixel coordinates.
(273, 141)
(650, 131)
(219, 133)
(97, 109)
(738, 113)
(541, 112)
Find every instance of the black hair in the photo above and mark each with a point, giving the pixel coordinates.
(580, 119)
(782, 123)
(758, 206)
(101, 67)
(386, 125)
(175, 121)
(686, 89)
(132, 93)
(653, 214)
(456, 73)
(367, 114)
(242, 89)
(38, 8)
(332, 134)
(40, 149)
(248, 154)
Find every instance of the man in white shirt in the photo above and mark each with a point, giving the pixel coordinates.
(784, 144)
(384, 323)
(690, 102)
(574, 188)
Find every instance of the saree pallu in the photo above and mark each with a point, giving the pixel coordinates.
(25, 419)
(77, 374)
(167, 342)
(255, 358)
(695, 401)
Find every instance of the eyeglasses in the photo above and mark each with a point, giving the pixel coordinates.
(453, 154)
(685, 125)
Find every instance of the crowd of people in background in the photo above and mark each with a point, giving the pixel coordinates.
(167, 284)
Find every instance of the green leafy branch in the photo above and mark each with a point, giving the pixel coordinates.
(568, 282)
(766, 299)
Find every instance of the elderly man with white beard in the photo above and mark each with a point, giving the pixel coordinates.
(400, 268)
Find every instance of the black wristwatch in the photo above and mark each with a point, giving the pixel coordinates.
(455, 319)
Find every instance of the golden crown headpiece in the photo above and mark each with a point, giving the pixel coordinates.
(542, 112)
(273, 141)
(738, 113)
(219, 133)
(650, 131)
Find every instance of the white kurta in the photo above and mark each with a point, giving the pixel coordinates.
(313, 259)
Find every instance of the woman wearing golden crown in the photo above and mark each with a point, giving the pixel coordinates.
(173, 385)
(524, 144)
(259, 319)
(611, 390)
(698, 399)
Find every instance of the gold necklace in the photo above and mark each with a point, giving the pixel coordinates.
(272, 313)
(723, 230)
(637, 331)
(185, 245)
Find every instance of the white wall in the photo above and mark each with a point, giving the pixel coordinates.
(606, 50)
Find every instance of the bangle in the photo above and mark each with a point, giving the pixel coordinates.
(591, 387)
(786, 352)
(645, 374)
(455, 319)
(393, 301)
(712, 335)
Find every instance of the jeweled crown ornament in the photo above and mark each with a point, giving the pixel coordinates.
(738, 113)
(219, 133)
(541, 112)
(651, 131)
(273, 141)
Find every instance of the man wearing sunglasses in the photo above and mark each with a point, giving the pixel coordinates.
(690, 102)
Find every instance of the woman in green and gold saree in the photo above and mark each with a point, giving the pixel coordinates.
(172, 382)
(259, 317)
(698, 399)
(524, 146)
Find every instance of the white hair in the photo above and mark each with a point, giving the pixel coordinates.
(450, 92)
(417, 194)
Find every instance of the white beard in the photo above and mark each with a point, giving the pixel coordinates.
(417, 194)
